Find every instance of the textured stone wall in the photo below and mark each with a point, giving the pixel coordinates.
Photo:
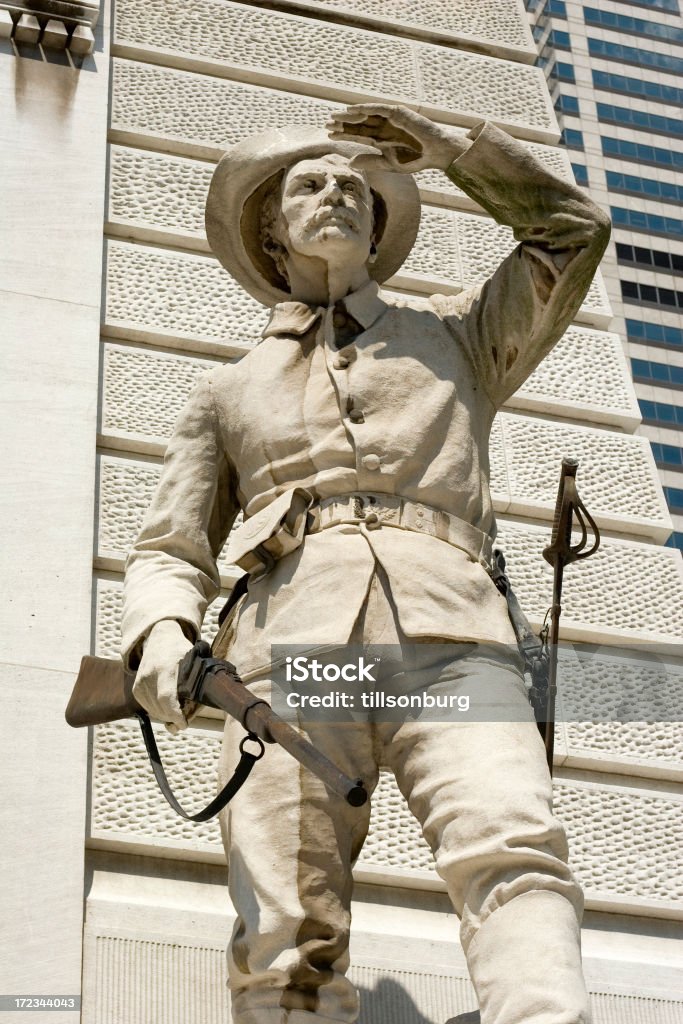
(624, 842)
(336, 61)
(191, 77)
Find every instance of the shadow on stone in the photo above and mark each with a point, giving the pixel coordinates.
(390, 1003)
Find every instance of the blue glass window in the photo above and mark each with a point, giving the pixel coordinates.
(674, 498)
(654, 334)
(567, 104)
(657, 5)
(667, 191)
(564, 72)
(556, 7)
(657, 373)
(560, 40)
(662, 412)
(675, 541)
(640, 119)
(643, 153)
(640, 256)
(634, 291)
(633, 55)
(640, 368)
(637, 87)
(580, 173)
(572, 138)
(636, 26)
(653, 223)
(668, 456)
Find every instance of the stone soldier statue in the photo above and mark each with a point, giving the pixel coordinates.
(374, 412)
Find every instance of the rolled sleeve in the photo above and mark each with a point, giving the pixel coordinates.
(511, 322)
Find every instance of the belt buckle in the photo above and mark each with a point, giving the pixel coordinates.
(369, 519)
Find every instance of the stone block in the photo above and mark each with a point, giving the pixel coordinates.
(483, 244)
(618, 482)
(189, 301)
(27, 29)
(44, 810)
(168, 962)
(155, 950)
(6, 24)
(126, 488)
(55, 35)
(157, 197)
(497, 26)
(82, 40)
(617, 478)
(337, 62)
(49, 386)
(585, 377)
(179, 299)
(626, 593)
(629, 593)
(195, 123)
(108, 604)
(614, 832)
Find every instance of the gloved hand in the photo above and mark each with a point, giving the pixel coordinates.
(156, 680)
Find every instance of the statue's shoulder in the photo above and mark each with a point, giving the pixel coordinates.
(441, 305)
(417, 303)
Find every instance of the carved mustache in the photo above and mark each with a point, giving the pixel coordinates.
(328, 213)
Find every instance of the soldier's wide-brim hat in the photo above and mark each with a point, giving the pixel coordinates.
(238, 188)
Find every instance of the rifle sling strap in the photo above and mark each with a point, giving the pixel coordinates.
(240, 775)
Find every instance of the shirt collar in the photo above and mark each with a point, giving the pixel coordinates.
(365, 305)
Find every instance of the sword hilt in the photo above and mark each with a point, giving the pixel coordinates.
(569, 506)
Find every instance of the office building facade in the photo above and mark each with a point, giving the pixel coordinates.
(615, 73)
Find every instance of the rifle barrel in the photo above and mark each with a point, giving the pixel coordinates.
(220, 690)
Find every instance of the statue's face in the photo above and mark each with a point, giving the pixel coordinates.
(326, 210)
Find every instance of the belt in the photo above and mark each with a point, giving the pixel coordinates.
(377, 510)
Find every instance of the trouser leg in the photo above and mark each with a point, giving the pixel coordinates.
(290, 845)
(482, 793)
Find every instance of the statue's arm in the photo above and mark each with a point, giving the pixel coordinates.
(513, 320)
(171, 573)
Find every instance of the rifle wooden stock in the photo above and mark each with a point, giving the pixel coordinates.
(103, 692)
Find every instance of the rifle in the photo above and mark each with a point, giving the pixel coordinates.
(103, 692)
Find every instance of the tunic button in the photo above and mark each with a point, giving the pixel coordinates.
(356, 416)
(372, 521)
(371, 462)
(339, 320)
(340, 363)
